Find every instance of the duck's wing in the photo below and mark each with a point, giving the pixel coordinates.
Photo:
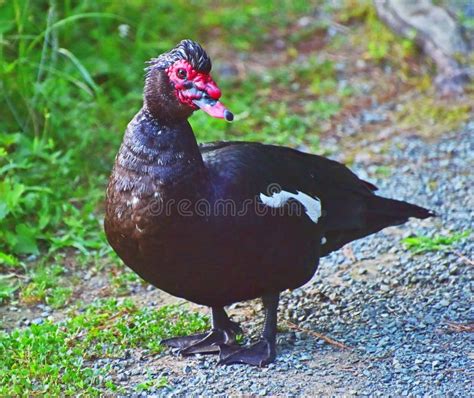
(349, 207)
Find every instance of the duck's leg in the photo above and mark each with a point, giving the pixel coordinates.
(224, 332)
(264, 351)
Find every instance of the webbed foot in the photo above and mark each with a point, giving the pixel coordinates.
(262, 352)
(223, 333)
(184, 341)
(259, 354)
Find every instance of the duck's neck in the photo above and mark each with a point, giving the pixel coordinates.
(165, 151)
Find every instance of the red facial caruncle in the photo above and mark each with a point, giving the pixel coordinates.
(197, 90)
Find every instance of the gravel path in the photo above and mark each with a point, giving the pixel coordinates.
(391, 307)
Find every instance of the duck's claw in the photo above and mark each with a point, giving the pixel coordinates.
(203, 343)
(184, 341)
(208, 345)
(259, 354)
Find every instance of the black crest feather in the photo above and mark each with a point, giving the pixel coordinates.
(188, 50)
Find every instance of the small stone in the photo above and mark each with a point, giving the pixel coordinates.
(429, 320)
(444, 303)
(453, 270)
(387, 378)
(360, 64)
(435, 364)
(443, 277)
(384, 288)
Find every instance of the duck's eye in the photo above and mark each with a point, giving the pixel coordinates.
(181, 73)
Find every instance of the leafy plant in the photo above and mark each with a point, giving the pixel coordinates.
(383, 171)
(51, 358)
(152, 383)
(123, 279)
(420, 244)
(46, 286)
(8, 286)
(381, 44)
(430, 117)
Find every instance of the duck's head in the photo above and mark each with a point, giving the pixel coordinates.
(179, 82)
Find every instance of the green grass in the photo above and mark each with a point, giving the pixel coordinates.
(46, 285)
(381, 44)
(55, 358)
(291, 118)
(8, 286)
(121, 280)
(152, 382)
(421, 244)
(383, 171)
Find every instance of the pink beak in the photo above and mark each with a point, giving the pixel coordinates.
(205, 94)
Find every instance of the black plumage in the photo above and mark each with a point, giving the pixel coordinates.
(188, 50)
(204, 223)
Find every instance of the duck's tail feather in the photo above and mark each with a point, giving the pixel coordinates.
(379, 213)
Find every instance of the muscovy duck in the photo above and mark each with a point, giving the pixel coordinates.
(228, 221)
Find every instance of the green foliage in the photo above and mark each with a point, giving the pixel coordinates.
(8, 286)
(282, 106)
(383, 44)
(152, 383)
(240, 339)
(42, 198)
(380, 42)
(464, 15)
(421, 244)
(46, 286)
(8, 260)
(122, 280)
(428, 116)
(383, 171)
(239, 27)
(52, 358)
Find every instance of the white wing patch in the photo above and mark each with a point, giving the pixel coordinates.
(278, 199)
